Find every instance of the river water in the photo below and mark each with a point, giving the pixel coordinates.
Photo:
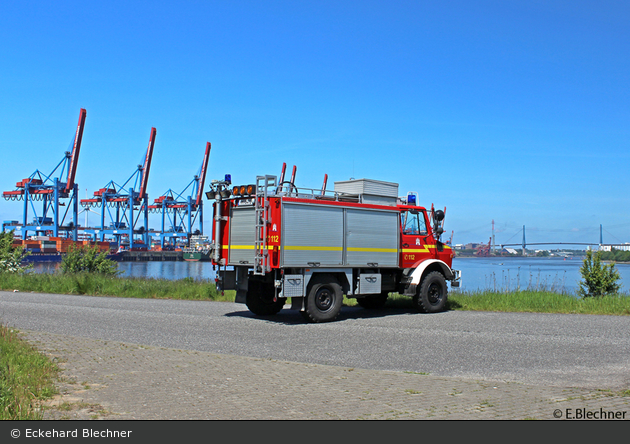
(491, 273)
(518, 273)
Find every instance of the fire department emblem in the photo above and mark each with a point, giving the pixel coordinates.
(417, 241)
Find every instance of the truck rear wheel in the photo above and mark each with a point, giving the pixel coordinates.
(373, 302)
(324, 300)
(260, 299)
(431, 298)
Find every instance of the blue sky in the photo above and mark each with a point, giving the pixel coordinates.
(516, 112)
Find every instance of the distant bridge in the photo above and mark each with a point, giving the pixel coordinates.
(524, 245)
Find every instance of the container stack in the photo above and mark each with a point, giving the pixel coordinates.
(52, 245)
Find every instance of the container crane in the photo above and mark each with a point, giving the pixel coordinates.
(450, 240)
(483, 250)
(53, 192)
(124, 205)
(182, 212)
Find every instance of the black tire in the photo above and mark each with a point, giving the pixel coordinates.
(324, 299)
(431, 298)
(374, 302)
(259, 299)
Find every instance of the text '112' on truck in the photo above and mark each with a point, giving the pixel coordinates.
(273, 242)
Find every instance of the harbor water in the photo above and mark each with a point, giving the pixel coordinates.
(556, 274)
(489, 273)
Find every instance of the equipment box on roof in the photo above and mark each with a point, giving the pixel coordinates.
(370, 191)
(367, 186)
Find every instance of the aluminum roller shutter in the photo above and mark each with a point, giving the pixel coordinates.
(312, 234)
(242, 236)
(371, 238)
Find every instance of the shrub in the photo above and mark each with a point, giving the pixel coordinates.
(11, 257)
(87, 259)
(599, 280)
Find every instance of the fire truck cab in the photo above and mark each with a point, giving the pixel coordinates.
(273, 242)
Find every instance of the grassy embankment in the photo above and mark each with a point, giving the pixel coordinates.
(540, 301)
(102, 285)
(528, 302)
(26, 378)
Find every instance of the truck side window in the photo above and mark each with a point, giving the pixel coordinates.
(413, 223)
(422, 225)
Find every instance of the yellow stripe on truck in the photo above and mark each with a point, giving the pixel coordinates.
(373, 250)
(307, 248)
(355, 249)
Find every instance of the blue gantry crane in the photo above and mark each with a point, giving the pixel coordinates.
(54, 190)
(121, 207)
(180, 213)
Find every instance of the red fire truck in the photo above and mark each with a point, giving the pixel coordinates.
(272, 242)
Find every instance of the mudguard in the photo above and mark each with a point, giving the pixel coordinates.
(416, 274)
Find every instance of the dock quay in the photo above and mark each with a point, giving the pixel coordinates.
(147, 256)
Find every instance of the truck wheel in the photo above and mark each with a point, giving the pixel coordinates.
(324, 300)
(431, 298)
(259, 299)
(373, 302)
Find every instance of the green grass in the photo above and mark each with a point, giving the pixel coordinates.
(526, 301)
(103, 285)
(26, 378)
(539, 302)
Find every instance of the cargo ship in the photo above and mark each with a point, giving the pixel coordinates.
(198, 249)
(192, 255)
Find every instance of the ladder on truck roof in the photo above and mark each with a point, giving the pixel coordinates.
(262, 221)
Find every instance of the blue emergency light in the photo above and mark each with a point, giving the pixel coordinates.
(411, 199)
(228, 179)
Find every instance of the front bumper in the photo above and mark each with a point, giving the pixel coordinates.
(457, 278)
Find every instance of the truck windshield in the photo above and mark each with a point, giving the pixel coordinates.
(413, 223)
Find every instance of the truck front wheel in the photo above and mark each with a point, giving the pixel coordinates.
(260, 299)
(324, 300)
(431, 298)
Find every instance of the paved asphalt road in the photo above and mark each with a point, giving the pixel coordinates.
(545, 349)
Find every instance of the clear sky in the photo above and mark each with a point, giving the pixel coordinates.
(512, 111)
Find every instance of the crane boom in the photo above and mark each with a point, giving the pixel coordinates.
(147, 165)
(74, 159)
(202, 179)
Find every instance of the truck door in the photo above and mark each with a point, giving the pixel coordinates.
(414, 235)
